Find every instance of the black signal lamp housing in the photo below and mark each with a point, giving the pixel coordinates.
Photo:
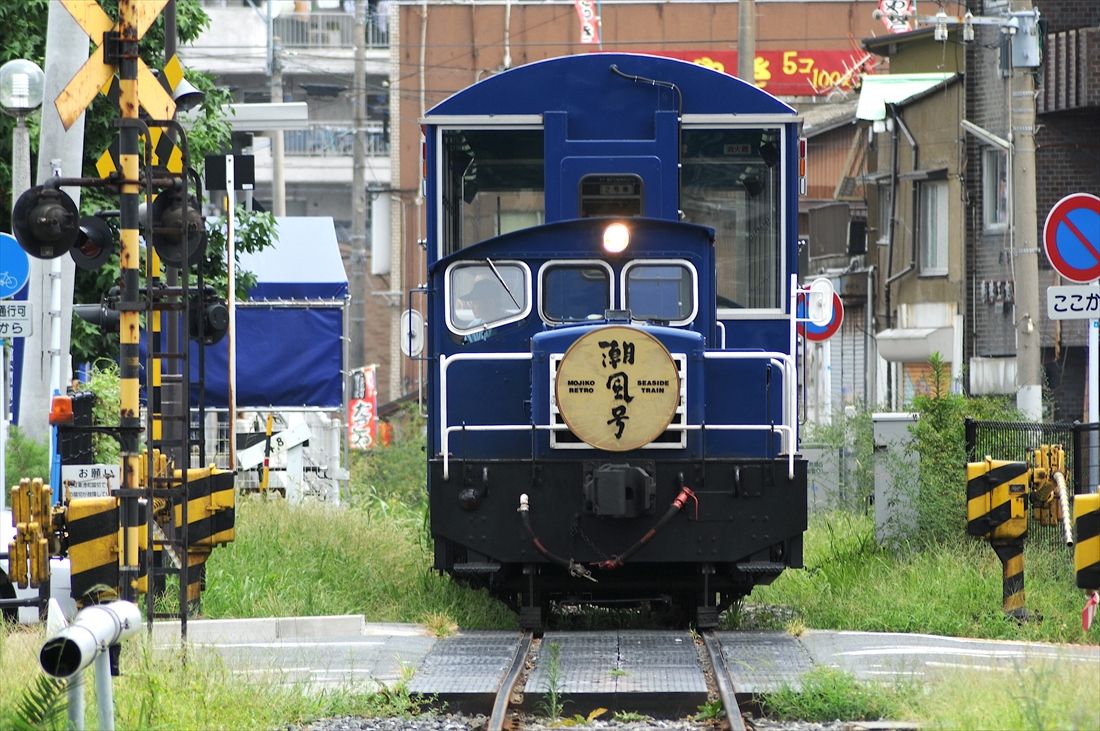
(95, 243)
(45, 222)
(179, 231)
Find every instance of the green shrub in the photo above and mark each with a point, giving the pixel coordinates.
(850, 450)
(940, 441)
(103, 381)
(25, 457)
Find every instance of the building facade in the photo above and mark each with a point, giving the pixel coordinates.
(805, 52)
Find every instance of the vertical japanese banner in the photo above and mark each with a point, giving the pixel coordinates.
(895, 15)
(590, 22)
(363, 407)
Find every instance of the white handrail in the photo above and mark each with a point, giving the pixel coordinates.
(787, 429)
(444, 363)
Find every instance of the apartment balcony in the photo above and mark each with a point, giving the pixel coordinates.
(327, 30)
(323, 155)
(1070, 71)
(236, 43)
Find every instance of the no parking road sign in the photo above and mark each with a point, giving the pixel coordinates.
(1071, 237)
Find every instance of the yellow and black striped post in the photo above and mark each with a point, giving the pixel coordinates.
(1086, 552)
(130, 305)
(1011, 553)
(996, 509)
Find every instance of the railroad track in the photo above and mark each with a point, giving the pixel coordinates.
(509, 694)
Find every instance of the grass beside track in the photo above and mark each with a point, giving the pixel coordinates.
(318, 560)
(952, 589)
(164, 691)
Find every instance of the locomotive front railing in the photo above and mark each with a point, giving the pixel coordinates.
(782, 360)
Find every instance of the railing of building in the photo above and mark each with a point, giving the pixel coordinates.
(1011, 440)
(328, 30)
(333, 142)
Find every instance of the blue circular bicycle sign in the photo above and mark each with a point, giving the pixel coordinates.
(15, 266)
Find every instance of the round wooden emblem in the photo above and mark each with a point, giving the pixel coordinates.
(617, 388)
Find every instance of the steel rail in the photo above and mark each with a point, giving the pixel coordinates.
(504, 693)
(722, 679)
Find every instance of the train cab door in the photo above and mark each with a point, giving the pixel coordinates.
(635, 175)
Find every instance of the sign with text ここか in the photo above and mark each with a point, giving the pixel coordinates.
(1075, 302)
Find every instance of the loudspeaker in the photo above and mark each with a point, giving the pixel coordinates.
(45, 222)
(179, 232)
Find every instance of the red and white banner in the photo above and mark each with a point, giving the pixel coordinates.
(590, 22)
(363, 407)
(895, 15)
(791, 72)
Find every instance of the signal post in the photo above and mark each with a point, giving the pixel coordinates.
(129, 303)
(158, 502)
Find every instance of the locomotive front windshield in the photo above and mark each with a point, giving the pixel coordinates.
(575, 292)
(730, 181)
(492, 183)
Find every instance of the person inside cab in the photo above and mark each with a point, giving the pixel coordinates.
(488, 302)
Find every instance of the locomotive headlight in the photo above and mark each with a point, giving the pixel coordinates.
(616, 238)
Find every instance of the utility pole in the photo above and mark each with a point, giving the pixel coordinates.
(66, 52)
(746, 40)
(1025, 245)
(278, 150)
(359, 188)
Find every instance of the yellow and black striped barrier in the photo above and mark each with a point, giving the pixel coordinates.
(996, 509)
(211, 511)
(996, 493)
(93, 534)
(1086, 552)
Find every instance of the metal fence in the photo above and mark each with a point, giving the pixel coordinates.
(328, 30)
(333, 142)
(1011, 440)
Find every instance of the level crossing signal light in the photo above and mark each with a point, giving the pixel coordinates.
(208, 319)
(47, 225)
(179, 231)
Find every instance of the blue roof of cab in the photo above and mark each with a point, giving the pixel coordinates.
(579, 84)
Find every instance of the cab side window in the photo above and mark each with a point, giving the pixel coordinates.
(481, 294)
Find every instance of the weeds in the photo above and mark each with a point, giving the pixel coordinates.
(552, 705)
(710, 711)
(827, 694)
(41, 707)
(316, 559)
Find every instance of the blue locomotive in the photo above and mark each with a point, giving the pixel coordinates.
(611, 253)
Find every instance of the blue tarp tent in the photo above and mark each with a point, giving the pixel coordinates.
(290, 333)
